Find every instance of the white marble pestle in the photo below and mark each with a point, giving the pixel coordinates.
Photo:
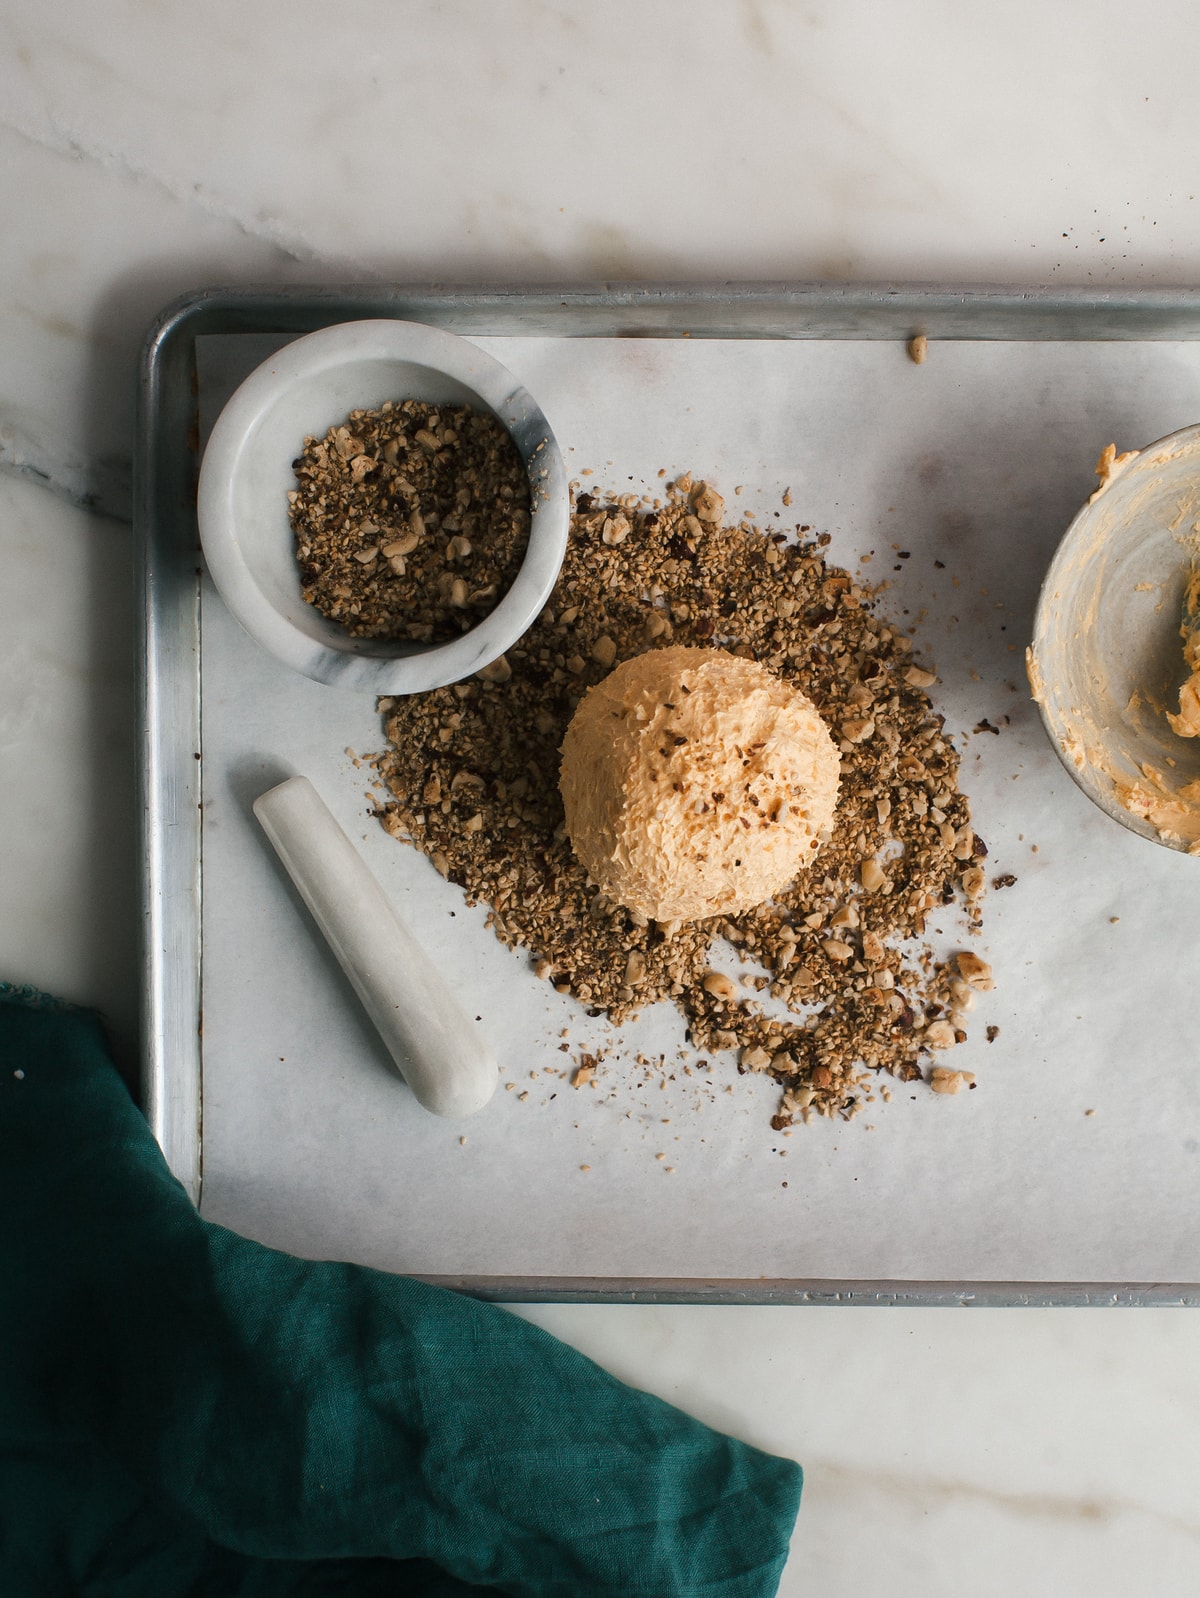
(439, 1051)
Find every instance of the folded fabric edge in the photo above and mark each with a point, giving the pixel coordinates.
(31, 998)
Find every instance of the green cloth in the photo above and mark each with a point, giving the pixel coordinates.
(185, 1412)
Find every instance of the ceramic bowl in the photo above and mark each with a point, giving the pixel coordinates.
(306, 388)
(1106, 661)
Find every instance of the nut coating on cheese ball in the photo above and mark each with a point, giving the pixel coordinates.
(696, 783)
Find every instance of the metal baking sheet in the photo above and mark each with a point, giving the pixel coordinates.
(280, 1111)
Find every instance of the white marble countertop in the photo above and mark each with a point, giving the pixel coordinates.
(151, 148)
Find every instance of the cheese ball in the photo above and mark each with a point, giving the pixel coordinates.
(696, 783)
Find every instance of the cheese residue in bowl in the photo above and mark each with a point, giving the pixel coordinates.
(1187, 723)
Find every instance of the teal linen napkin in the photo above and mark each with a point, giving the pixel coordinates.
(185, 1412)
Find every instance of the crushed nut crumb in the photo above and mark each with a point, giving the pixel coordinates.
(843, 945)
(410, 521)
(943, 1080)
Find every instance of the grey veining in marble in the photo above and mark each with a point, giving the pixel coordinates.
(150, 146)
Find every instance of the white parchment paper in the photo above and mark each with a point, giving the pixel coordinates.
(972, 464)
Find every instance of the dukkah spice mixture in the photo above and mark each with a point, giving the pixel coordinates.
(472, 777)
(410, 521)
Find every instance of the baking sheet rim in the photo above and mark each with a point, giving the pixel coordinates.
(171, 775)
